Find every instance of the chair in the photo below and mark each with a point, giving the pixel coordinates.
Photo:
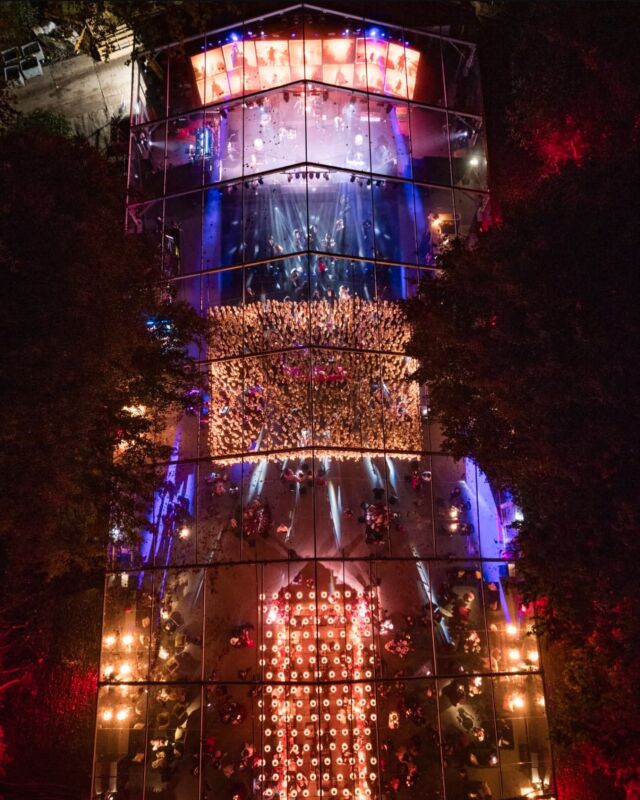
(31, 68)
(13, 76)
(33, 50)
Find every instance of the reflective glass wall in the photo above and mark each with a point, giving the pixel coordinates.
(321, 603)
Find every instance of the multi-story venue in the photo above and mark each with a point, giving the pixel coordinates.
(322, 604)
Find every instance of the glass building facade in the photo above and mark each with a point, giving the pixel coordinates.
(321, 604)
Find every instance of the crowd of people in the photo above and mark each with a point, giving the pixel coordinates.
(324, 322)
(267, 403)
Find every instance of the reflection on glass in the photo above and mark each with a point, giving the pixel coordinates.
(394, 215)
(468, 157)
(462, 76)
(429, 146)
(120, 739)
(319, 601)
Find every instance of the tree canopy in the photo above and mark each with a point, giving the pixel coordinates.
(528, 341)
(88, 339)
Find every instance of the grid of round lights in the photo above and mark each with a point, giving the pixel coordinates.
(318, 712)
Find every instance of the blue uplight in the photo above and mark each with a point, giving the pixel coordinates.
(234, 37)
(373, 32)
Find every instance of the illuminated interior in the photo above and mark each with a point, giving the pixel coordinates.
(321, 603)
(242, 67)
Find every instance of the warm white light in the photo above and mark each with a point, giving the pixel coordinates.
(516, 702)
(122, 714)
(184, 533)
(109, 640)
(127, 640)
(107, 715)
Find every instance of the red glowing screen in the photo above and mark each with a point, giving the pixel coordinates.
(243, 67)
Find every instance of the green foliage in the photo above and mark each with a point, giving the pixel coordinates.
(77, 353)
(529, 344)
(44, 121)
(17, 19)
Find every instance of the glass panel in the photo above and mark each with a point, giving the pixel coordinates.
(275, 215)
(120, 741)
(424, 69)
(151, 88)
(458, 615)
(410, 496)
(469, 745)
(274, 134)
(180, 434)
(175, 514)
(400, 401)
(351, 508)
(429, 147)
(514, 646)
(523, 736)
(340, 213)
(278, 499)
(226, 124)
(276, 407)
(231, 747)
(186, 78)
(219, 498)
(435, 222)
(462, 76)
(393, 209)
(225, 432)
(456, 508)
(182, 234)
(469, 159)
(337, 128)
(347, 399)
(173, 742)
(147, 220)
(232, 623)
(394, 285)
(176, 653)
(405, 636)
(222, 242)
(390, 149)
(190, 149)
(343, 311)
(276, 314)
(409, 740)
(473, 213)
(126, 627)
(222, 301)
(146, 164)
